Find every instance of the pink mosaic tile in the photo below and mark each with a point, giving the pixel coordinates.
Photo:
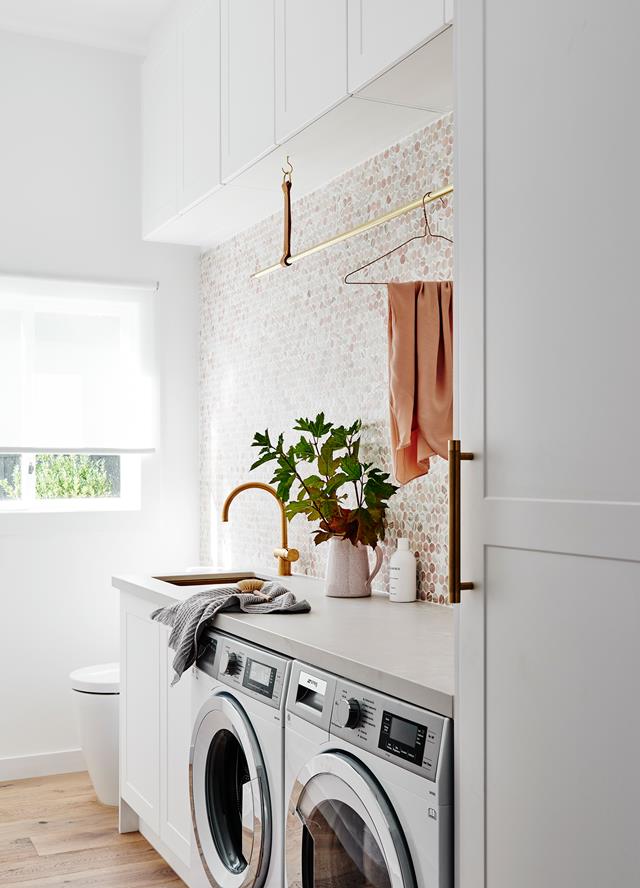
(300, 341)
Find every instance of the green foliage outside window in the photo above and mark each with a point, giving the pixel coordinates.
(63, 475)
(70, 475)
(12, 487)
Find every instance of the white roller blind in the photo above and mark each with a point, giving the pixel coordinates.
(76, 367)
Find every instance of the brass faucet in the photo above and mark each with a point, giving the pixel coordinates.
(284, 554)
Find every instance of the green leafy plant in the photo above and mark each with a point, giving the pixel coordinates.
(12, 487)
(61, 475)
(325, 467)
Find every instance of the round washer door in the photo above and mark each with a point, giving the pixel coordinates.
(230, 803)
(341, 829)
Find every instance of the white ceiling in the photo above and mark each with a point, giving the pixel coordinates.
(122, 25)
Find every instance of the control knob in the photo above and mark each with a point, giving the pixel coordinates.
(348, 713)
(229, 662)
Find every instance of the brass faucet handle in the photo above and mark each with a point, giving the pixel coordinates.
(287, 554)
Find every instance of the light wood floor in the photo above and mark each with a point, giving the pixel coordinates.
(53, 831)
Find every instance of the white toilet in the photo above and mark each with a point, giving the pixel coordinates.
(96, 690)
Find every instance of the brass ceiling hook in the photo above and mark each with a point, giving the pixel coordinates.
(287, 173)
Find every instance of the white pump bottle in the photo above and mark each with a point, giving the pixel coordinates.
(402, 573)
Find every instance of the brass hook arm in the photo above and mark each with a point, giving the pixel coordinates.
(284, 554)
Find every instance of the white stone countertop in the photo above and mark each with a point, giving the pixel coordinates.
(404, 650)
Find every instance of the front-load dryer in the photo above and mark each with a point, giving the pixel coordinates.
(369, 786)
(237, 765)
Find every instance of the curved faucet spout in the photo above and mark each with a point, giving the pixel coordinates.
(284, 554)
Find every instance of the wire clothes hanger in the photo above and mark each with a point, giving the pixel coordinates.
(426, 233)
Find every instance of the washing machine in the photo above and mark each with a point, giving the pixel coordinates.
(368, 780)
(236, 772)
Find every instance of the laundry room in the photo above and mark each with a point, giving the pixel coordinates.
(305, 532)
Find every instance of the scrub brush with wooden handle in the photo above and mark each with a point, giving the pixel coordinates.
(253, 585)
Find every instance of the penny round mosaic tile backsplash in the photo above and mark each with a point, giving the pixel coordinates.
(300, 341)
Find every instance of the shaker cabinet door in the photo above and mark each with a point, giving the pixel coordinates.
(175, 742)
(160, 131)
(140, 710)
(311, 61)
(199, 87)
(247, 79)
(381, 33)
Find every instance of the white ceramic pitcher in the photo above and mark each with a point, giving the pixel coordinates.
(348, 571)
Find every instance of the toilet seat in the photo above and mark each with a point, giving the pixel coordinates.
(101, 679)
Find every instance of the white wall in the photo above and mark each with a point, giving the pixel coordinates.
(70, 205)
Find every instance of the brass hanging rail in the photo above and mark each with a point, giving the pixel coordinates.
(359, 229)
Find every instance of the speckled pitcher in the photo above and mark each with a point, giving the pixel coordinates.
(348, 571)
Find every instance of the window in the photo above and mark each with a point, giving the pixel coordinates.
(47, 482)
(77, 393)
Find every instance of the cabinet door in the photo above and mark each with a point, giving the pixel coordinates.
(175, 740)
(311, 61)
(247, 81)
(140, 710)
(381, 33)
(547, 721)
(448, 11)
(199, 86)
(160, 130)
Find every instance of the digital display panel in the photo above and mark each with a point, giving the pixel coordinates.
(404, 732)
(260, 673)
(259, 678)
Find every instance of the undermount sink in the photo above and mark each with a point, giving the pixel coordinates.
(206, 579)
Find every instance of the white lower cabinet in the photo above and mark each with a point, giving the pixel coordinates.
(140, 710)
(155, 729)
(175, 740)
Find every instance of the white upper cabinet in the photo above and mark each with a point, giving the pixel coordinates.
(448, 11)
(381, 33)
(226, 81)
(199, 100)
(160, 129)
(311, 61)
(247, 83)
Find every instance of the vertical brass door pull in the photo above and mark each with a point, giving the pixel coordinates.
(455, 586)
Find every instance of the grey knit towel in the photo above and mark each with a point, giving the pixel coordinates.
(188, 618)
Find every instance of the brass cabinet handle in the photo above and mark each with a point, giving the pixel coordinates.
(455, 586)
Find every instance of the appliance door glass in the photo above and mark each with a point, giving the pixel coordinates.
(341, 829)
(230, 802)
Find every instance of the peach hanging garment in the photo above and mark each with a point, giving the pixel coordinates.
(420, 374)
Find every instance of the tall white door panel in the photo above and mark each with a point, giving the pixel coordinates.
(247, 82)
(381, 33)
(311, 61)
(547, 191)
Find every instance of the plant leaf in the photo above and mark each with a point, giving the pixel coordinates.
(265, 458)
(352, 467)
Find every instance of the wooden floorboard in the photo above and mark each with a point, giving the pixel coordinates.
(53, 831)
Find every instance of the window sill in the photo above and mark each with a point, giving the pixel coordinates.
(67, 506)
